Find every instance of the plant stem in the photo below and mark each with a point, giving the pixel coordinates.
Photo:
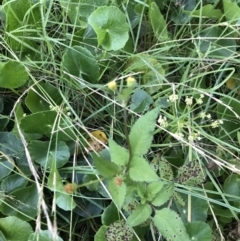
(125, 117)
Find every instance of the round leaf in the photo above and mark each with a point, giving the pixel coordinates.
(45, 153)
(12, 75)
(15, 229)
(43, 235)
(199, 231)
(111, 27)
(13, 182)
(79, 62)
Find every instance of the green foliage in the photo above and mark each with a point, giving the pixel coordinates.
(159, 80)
(170, 225)
(12, 79)
(22, 229)
(111, 27)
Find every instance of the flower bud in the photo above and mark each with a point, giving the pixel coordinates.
(112, 85)
(131, 81)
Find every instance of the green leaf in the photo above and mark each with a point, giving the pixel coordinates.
(207, 11)
(12, 75)
(23, 204)
(199, 231)
(117, 191)
(22, 20)
(15, 229)
(43, 235)
(45, 123)
(158, 22)
(119, 154)
(101, 234)
(46, 153)
(232, 185)
(163, 195)
(139, 215)
(110, 214)
(141, 171)
(141, 134)
(105, 168)
(63, 199)
(165, 170)
(80, 62)
(13, 182)
(42, 96)
(231, 11)
(191, 174)
(119, 231)
(170, 225)
(10, 147)
(111, 27)
(141, 101)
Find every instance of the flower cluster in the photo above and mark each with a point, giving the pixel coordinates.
(162, 121)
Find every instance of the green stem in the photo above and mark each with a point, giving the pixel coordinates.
(125, 115)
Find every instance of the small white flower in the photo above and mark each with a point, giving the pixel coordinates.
(179, 136)
(189, 100)
(201, 96)
(209, 116)
(173, 98)
(202, 115)
(199, 101)
(162, 121)
(190, 138)
(220, 122)
(215, 124)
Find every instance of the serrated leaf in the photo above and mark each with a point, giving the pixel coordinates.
(119, 154)
(141, 171)
(199, 231)
(170, 225)
(163, 195)
(106, 168)
(118, 191)
(141, 134)
(139, 215)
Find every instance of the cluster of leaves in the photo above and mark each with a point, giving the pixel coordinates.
(56, 60)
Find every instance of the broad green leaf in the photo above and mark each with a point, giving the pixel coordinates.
(12, 75)
(232, 185)
(2, 237)
(165, 170)
(206, 11)
(117, 190)
(119, 154)
(46, 153)
(141, 101)
(23, 204)
(80, 62)
(231, 11)
(163, 195)
(228, 109)
(10, 147)
(110, 214)
(141, 171)
(199, 231)
(158, 22)
(111, 27)
(139, 215)
(90, 180)
(119, 231)
(46, 122)
(63, 199)
(170, 225)
(141, 134)
(43, 235)
(106, 168)
(101, 234)
(79, 10)
(15, 229)
(40, 97)
(13, 182)
(22, 22)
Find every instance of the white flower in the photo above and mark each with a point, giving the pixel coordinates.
(202, 115)
(162, 121)
(199, 101)
(189, 101)
(173, 98)
(179, 136)
(209, 116)
(216, 123)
